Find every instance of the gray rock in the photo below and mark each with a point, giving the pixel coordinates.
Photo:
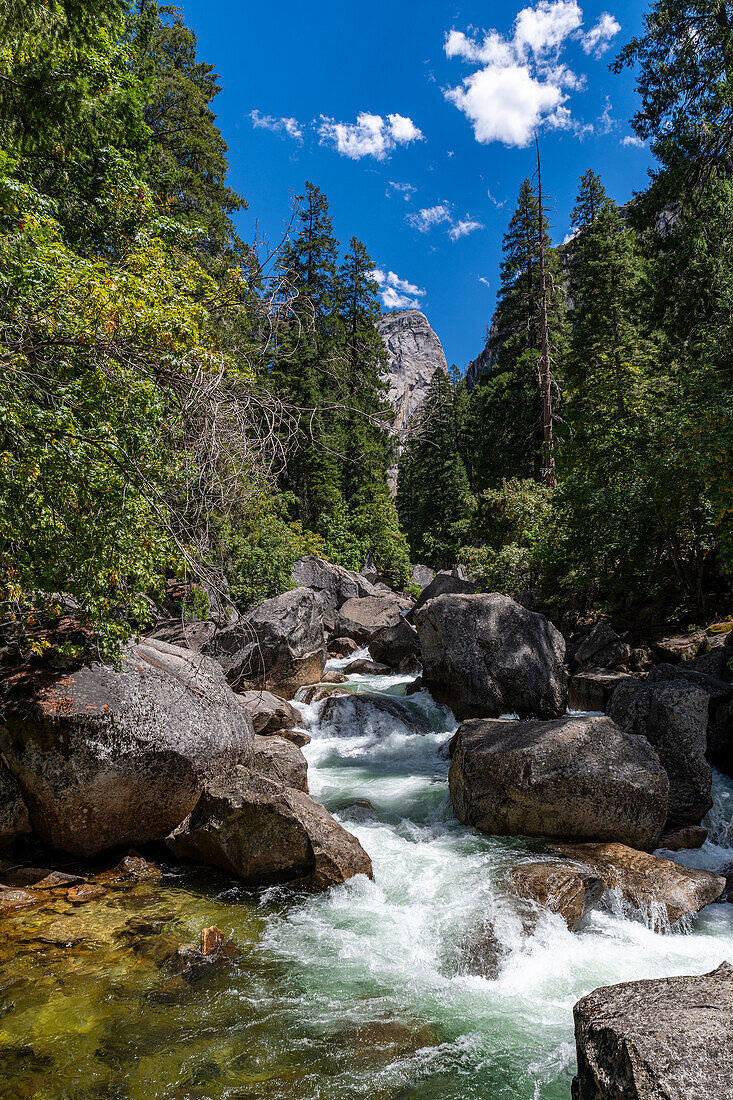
(363, 667)
(414, 353)
(397, 646)
(108, 758)
(592, 688)
(185, 633)
(335, 584)
(371, 715)
(342, 647)
(444, 584)
(603, 648)
(422, 575)
(673, 717)
(572, 778)
(263, 832)
(269, 714)
(486, 655)
(14, 821)
(279, 646)
(720, 709)
(279, 759)
(559, 887)
(360, 619)
(665, 890)
(659, 1039)
(483, 362)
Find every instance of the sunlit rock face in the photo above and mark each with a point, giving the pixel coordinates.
(415, 353)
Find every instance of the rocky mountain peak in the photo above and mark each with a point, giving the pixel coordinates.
(415, 353)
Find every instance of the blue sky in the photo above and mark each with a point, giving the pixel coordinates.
(416, 117)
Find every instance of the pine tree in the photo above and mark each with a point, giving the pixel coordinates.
(433, 496)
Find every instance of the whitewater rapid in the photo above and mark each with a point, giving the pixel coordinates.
(389, 953)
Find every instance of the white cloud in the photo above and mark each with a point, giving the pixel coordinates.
(407, 190)
(369, 136)
(397, 293)
(462, 228)
(632, 139)
(521, 84)
(430, 216)
(598, 39)
(496, 202)
(484, 281)
(288, 126)
(426, 219)
(546, 26)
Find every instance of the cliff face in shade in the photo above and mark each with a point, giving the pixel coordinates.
(415, 353)
(482, 364)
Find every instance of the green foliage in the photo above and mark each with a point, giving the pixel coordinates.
(433, 498)
(513, 521)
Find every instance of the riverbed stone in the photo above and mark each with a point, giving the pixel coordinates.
(281, 760)
(263, 833)
(560, 887)
(362, 618)
(269, 714)
(365, 667)
(397, 646)
(673, 717)
(279, 646)
(657, 1039)
(487, 655)
(108, 757)
(443, 584)
(592, 688)
(665, 890)
(577, 778)
(370, 715)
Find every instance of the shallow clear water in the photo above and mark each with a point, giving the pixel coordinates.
(360, 992)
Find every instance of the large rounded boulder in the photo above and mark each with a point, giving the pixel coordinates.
(658, 1039)
(673, 717)
(362, 618)
(109, 757)
(487, 655)
(574, 778)
(264, 832)
(280, 646)
(334, 585)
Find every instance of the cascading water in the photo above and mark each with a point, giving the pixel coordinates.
(368, 990)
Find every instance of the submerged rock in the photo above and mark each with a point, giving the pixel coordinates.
(674, 719)
(264, 833)
(342, 647)
(281, 760)
(572, 778)
(648, 882)
(279, 646)
(12, 899)
(560, 887)
(107, 758)
(487, 655)
(659, 1039)
(364, 667)
(369, 715)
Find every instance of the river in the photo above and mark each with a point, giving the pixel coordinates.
(365, 991)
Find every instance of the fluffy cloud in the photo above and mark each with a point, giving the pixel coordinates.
(369, 136)
(598, 39)
(424, 220)
(286, 126)
(463, 228)
(397, 293)
(521, 85)
(632, 139)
